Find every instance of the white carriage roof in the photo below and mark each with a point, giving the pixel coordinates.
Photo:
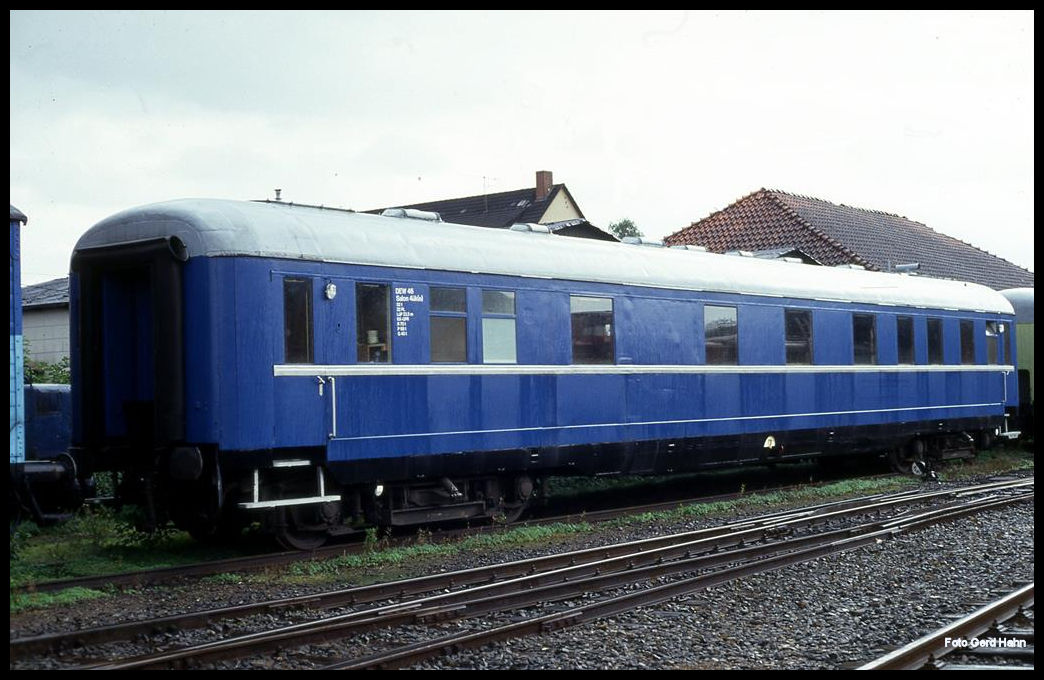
(216, 228)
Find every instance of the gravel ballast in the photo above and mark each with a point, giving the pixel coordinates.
(832, 613)
(835, 612)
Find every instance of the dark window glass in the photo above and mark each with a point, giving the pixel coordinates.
(449, 326)
(864, 339)
(498, 302)
(935, 341)
(993, 331)
(721, 334)
(1006, 329)
(448, 300)
(799, 336)
(449, 339)
(967, 342)
(592, 325)
(498, 327)
(905, 335)
(373, 322)
(297, 321)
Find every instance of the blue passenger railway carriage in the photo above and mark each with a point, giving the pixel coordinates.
(314, 368)
(43, 478)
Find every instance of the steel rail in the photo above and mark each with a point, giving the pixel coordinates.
(928, 649)
(493, 597)
(23, 647)
(421, 651)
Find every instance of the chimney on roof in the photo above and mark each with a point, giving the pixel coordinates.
(543, 184)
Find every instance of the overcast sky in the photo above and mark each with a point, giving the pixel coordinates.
(660, 117)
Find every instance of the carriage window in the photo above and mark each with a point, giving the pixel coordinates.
(905, 336)
(373, 322)
(935, 341)
(448, 300)
(592, 325)
(498, 327)
(799, 336)
(297, 321)
(721, 334)
(864, 339)
(449, 326)
(993, 330)
(967, 342)
(1009, 358)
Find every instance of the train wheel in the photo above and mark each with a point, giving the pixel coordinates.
(296, 528)
(521, 493)
(908, 459)
(510, 512)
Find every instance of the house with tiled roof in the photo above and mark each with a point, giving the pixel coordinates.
(547, 203)
(45, 320)
(834, 235)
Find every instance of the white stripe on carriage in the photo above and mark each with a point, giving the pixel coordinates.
(308, 370)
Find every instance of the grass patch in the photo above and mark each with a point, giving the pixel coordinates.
(224, 579)
(990, 462)
(98, 541)
(374, 565)
(772, 500)
(23, 601)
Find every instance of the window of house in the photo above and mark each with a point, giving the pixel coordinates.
(798, 336)
(904, 327)
(498, 327)
(373, 322)
(864, 339)
(721, 334)
(297, 321)
(967, 341)
(935, 341)
(592, 330)
(449, 326)
(993, 331)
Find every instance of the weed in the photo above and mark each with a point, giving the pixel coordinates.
(370, 541)
(24, 601)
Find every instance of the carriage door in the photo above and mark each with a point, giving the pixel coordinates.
(128, 324)
(127, 355)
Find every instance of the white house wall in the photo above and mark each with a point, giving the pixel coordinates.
(561, 209)
(46, 334)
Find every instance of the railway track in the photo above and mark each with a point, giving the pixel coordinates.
(354, 544)
(732, 551)
(1001, 628)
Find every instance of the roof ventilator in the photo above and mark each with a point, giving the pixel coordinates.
(639, 241)
(413, 213)
(740, 253)
(530, 228)
(697, 249)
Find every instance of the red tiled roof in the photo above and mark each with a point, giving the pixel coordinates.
(840, 234)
